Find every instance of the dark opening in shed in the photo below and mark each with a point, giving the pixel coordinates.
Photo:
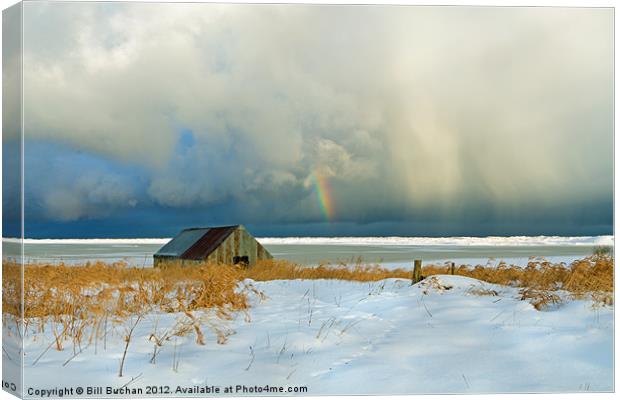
(220, 245)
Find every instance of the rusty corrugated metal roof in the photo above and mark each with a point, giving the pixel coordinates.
(183, 241)
(208, 242)
(196, 243)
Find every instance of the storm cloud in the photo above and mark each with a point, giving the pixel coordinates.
(465, 117)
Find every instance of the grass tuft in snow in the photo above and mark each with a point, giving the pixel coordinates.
(81, 305)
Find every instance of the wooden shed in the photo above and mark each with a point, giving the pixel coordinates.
(220, 245)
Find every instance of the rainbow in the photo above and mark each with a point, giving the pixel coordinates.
(324, 194)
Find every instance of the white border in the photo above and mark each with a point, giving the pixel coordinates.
(563, 3)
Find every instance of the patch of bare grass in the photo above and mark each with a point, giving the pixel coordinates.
(77, 303)
(482, 291)
(591, 276)
(541, 299)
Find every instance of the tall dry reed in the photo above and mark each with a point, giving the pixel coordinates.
(76, 302)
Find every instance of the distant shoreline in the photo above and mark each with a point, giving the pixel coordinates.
(603, 240)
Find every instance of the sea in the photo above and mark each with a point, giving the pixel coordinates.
(389, 252)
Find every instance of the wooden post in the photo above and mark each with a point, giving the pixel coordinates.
(417, 272)
(451, 268)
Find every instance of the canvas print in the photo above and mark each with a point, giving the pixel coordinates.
(212, 200)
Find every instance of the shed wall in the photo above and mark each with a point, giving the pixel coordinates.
(238, 243)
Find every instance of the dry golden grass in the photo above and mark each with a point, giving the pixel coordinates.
(540, 299)
(482, 291)
(589, 275)
(118, 291)
(269, 270)
(79, 301)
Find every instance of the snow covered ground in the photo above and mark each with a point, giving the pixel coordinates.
(340, 337)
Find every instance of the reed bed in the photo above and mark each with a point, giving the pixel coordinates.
(540, 281)
(78, 303)
(269, 270)
(119, 290)
(588, 275)
(82, 305)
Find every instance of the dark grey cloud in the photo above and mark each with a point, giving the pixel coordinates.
(411, 113)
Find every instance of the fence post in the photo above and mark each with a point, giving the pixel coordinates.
(452, 268)
(417, 272)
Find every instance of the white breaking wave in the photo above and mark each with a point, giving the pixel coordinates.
(90, 241)
(449, 241)
(378, 241)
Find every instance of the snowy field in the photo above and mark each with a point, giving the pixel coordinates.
(340, 337)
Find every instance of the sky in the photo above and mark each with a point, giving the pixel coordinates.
(141, 119)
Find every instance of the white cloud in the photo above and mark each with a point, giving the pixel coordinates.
(430, 106)
(90, 195)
